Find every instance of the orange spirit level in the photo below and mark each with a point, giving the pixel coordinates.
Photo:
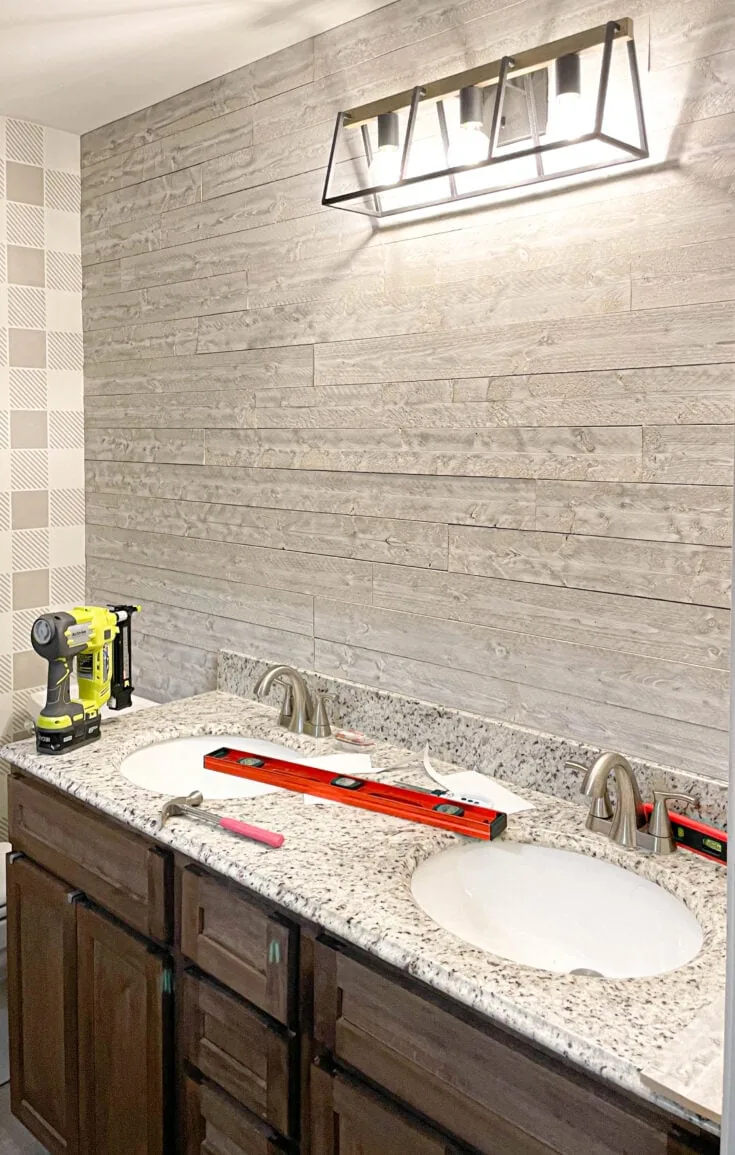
(364, 793)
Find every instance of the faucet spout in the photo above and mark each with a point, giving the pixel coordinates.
(629, 816)
(302, 704)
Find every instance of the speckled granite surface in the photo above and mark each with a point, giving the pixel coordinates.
(350, 872)
(526, 758)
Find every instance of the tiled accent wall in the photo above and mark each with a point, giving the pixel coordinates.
(41, 411)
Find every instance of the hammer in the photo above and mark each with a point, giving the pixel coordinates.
(188, 807)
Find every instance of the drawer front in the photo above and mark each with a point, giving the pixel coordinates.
(349, 1119)
(115, 867)
(214, 1125)
(239, 1049)
(229, 937)
(491, 1093)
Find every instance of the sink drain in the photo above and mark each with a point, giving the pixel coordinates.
(588, 972)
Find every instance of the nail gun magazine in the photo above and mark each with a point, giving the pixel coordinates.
(98, 639)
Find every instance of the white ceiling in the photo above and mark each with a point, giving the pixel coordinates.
(76, 64)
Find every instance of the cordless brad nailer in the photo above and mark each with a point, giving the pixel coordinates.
(98, 637)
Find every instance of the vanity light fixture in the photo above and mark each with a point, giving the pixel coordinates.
(549, 113)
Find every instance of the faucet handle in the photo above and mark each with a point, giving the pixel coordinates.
(660, 822)
(319, 726)
(601, 804)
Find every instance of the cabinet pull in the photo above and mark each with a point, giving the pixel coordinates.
(75, 896)
(274, 951)
(15, 855)
(167, 981)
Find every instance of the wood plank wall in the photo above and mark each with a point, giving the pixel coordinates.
(486, 459)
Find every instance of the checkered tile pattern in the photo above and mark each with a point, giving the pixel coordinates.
(41, 411)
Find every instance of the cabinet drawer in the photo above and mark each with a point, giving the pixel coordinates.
(238, 1048)
(115, 867)
(490, 1091)
(214, 1125)
(348, 1118)
(229, 937)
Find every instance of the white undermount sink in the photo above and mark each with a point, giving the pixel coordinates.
(556, 910)
(176, 767)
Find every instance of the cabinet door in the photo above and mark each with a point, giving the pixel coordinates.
(123, 1014)
(42, 1005)
(349, 1119)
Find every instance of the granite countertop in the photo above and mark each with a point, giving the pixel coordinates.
(349, 871)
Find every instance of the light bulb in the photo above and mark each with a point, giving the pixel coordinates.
(470, 147)
(568, 116)
(385, 167)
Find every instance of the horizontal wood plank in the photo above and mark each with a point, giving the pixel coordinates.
(665, 570)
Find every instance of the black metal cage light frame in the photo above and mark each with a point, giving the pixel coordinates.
(501, 74)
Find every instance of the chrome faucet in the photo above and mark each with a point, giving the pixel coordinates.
(300, 713)
(626, 823)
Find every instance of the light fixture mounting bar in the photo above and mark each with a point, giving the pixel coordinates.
(486, 74)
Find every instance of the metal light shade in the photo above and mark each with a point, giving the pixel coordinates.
(507, 130)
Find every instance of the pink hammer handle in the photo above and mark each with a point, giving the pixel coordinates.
(257, 833)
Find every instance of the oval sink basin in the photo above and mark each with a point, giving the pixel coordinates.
(175, 767)
(556, 910)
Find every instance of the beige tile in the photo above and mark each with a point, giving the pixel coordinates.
(24, 183)
(29, 509)
(26, 266)
(28, 670)
(27, 348)
(30, 589)
(28, 429)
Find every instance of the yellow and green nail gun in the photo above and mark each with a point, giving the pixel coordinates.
(98, 638)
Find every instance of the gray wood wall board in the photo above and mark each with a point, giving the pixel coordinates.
(666, 571)
(105, 277)
(211, 632)
(127, 239)
(265, 204)
(667, 630)
(286, 69)
(697, 748)
(225, 409)
(279, 244)
(379, 315)
(698, 454)
(510, 503)
(680, 33)
(628, 409)
(165, 669)
(133, 342)
(662, 292)
(173, 190)
(166, 446)
(269, 160)
(280, 569)
(403, 393)
(581, 453)
(289, 367)
(195, 298)
(600, 347)
(176, 153)
(694, 514)
(400, 542)
(667, 689)
(708, 384)
(687, 335)
(212, 595)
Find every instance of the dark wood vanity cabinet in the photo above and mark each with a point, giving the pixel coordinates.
(157, 1009)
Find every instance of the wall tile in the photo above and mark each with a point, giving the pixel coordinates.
(24, 142)
(28, 670)
(28, 429)
(27, 348)
(30, 509)
(26, 266)
(30, 589)
(24, 183)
